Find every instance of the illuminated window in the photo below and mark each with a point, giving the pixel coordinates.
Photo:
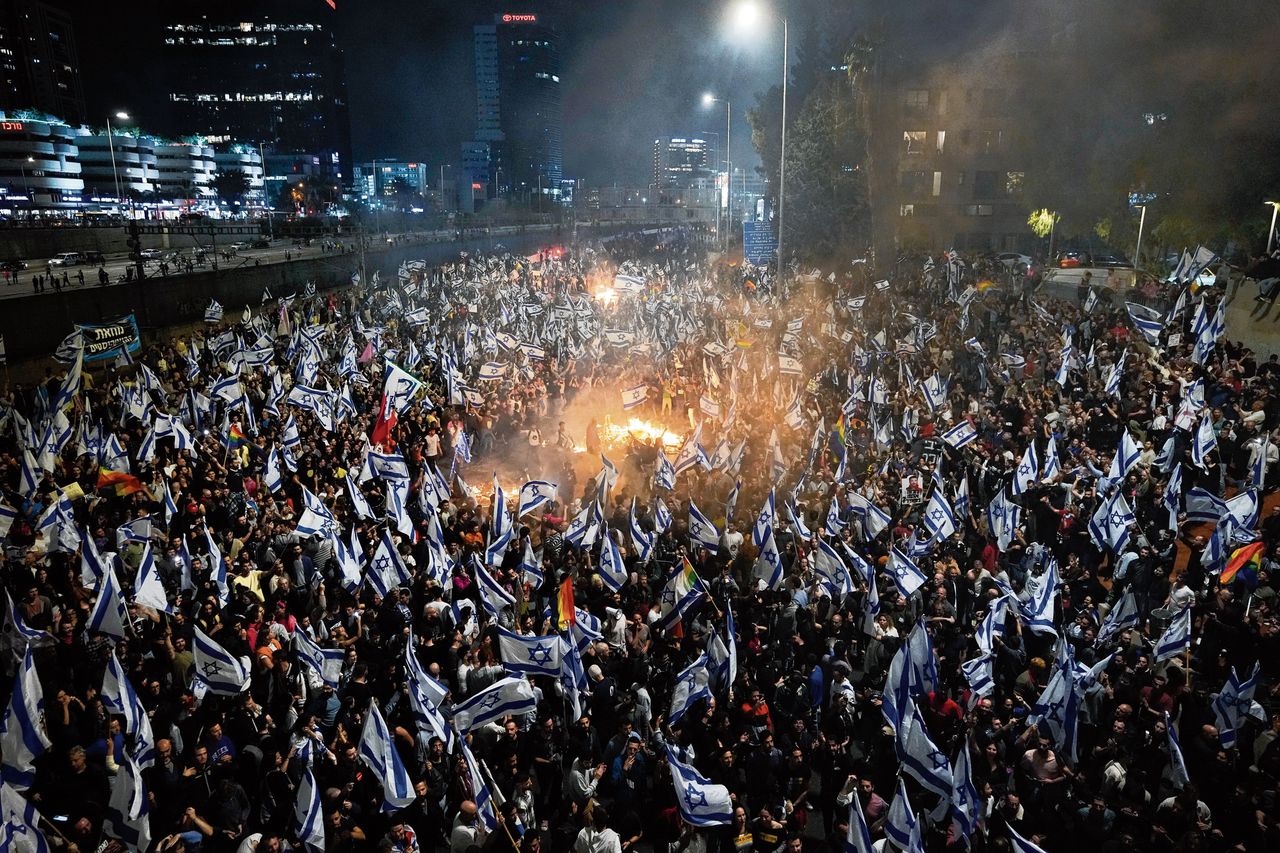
(907, 210)
(914, 140)
(1013, 182)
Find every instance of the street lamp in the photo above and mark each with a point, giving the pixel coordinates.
(747, 15)
(121, 116)
(26, 189)
(1137, 252)
(708, 100)
(1271, 237)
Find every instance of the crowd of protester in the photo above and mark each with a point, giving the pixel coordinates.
(831, 399)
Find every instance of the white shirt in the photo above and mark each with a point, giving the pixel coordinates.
(592, 841)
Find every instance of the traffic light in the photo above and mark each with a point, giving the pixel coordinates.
(134, 243)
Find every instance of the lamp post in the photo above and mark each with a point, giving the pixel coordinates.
(1053, 224)
(708, 99)
(1271, 237)
(111, 145)
(747, 15)
(26, 189)
(1137, 252)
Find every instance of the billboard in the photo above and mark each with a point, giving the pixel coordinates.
(104, 340)
(759, 243)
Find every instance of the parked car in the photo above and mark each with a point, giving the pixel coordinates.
(1113, 260)
(151, 254)
(13, 265)
(1069, 260)
(67, 259)
(260, 243)
(190, 217)
(1012, 259)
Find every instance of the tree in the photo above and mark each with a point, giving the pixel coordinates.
(826, 188)
(231, 184)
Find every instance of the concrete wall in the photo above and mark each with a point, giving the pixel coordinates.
(34, 325)
(37, 243)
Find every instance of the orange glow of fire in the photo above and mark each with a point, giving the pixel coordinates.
(645, 431)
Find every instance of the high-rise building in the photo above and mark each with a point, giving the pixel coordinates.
(262, 73)
(679, 162)
(518, 110)
(39, 63)
(386, 178)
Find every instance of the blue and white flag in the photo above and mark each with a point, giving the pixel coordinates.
(534, 494)
(768, 565)
(326, 663)
(307, 815)
(682, 592)
(765, 522)
(939, 518)
(119, 697)
(482, 794)
(387, 570)
(665, 475)
(1148, 322)
(128, 811)
(1020, 844)
(641, 539)
(20, 824)
(902, 822)
(491, 370)
(149, 590)
(1123, 614)
(633, 397)
(613, 569)
(700, 802)
(1126, 457)
(425, 696)
(1234, 704)
(1057, 709)
(526, 655)
(1204, 442)
(217, 669)
(378, 752)
(921, 759)
(702, 531)
(661, 517)
(1024, 476)
(907, 576)
(692, 684)
(108, 616)
(980, 673)
(492, 596)
(511, 696)
(835, 575)
(966, 804)
(1177, 765)
(1110, 523)
(1038, 610)
(961, 434)
(1176, 639)
(22, 738)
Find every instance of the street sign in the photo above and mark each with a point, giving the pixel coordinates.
(759, 243)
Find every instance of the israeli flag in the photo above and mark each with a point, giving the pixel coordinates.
(961, 434)
(378, 752)
(1176, 763)
(1148, 322)
(939, 518)
(1123, 614)
(327, 663)
(665, 476)
(523, 655)
(1020, 844)
(359, 503)
(1204, 442)
(127, 817)
(702, 531)
(425, 695)
(765, 522)
(1052, 465)
(700, 802)
(1232, 706)
(22, 738)
(149, 590)
(1117, 373)
(962, 497)
(1126, 457)
(1037, 611)
(692, 684)
(613, 570)
(635, 396)
(1110, 523)
(386, 569)
(907, 576)
(213, 314)
(1024, 476)
(921, 759)
(308, 817)
(789, 366)
(1176, 639)
(584, 526)
(217, 669)
(108, 616)
(492, 596)
(641, 539)
(966, 805)
(534, 494)
(768, 566)
(901, 825)
(483, 795)
(492, 370)
(797, 521)
(20, 824)
(980, 673)
(511, 696)
(1057, 709)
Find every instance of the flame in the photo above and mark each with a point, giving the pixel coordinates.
(646, 431)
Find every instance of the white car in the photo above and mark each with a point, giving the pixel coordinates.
(1012, 259)
(67, 259)
(151, 254)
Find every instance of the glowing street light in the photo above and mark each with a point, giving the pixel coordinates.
(120, 115)
(746, 17)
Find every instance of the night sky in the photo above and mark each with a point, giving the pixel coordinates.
(632, 70)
